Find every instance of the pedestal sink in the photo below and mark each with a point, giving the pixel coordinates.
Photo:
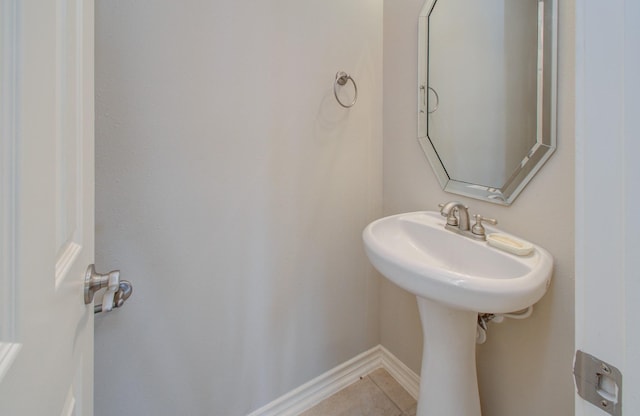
(454, 278)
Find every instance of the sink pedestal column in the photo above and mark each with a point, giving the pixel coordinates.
(448, 380)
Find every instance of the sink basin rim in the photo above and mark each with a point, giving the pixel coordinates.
(456, 289)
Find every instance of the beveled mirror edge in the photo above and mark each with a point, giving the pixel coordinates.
(537, 157)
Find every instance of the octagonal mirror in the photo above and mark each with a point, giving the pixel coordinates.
(487, 93)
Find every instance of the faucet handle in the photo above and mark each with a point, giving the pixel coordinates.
(478, 230)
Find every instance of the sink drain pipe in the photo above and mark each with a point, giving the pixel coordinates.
(485, 318)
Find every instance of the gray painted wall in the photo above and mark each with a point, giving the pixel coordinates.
(232, 191)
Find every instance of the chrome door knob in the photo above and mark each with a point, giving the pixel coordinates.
(116, 293)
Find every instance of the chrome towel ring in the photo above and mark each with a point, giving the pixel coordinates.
(341, 80)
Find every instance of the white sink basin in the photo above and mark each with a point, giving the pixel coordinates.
(417, 253)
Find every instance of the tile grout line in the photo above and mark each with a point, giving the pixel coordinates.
(402, 411)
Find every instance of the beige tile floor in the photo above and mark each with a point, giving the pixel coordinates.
(377, 394)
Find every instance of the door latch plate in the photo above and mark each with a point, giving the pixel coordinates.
(598, 382)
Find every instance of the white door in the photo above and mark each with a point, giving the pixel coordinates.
(608, 195)
(46, 207)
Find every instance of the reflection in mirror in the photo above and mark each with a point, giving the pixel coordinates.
(487, 75)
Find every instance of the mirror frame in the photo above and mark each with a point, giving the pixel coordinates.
(541, 150)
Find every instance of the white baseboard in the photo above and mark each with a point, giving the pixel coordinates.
(325, 385)
(409, 380)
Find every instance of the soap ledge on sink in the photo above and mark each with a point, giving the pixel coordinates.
(509, 244)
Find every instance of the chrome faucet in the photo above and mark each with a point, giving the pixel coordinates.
(450, 209)
(458, 220)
